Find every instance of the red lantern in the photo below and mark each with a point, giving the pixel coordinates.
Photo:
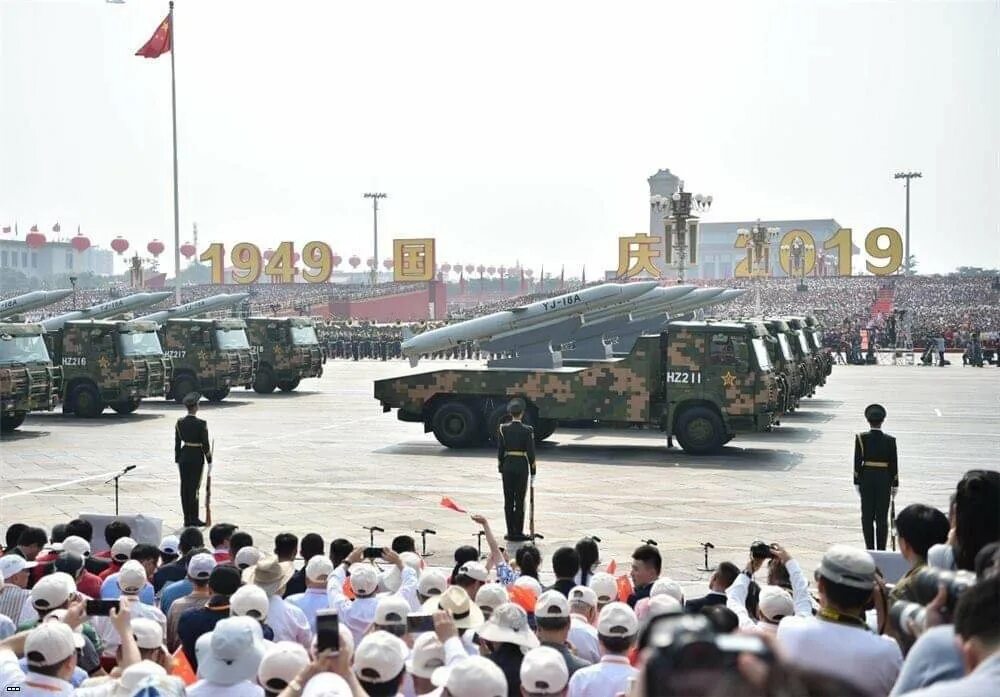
(491, 270)
(34, 239)
(445, 268)
(371, 263)
(481, 269)
(188, 250)
(155, 247)
(354, 261)
(80, 243)
(268, 253)
(119, 244)
(336, 259)
(387, 263)
(529, 273)
(457, 268)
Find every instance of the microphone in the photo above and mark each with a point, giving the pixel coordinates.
(649, 542)
(426, 531)
(707, 545)
(595, 538)
(373, 528)
(128, 469)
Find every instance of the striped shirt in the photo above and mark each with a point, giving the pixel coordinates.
(14, 603)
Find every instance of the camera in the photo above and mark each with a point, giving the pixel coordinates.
(907, 619)
(761, 550)
(928, 579)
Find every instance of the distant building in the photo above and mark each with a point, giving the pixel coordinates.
(53, 258)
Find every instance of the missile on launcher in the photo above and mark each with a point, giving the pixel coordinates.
(32, 301)
(195, 307)
(107, 309)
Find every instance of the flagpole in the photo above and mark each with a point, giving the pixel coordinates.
(173, 113)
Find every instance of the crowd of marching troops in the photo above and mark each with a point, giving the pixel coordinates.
(365, 340)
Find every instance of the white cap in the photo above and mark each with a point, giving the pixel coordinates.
(667, 586)
(319, 568)
(432, 582)
(412, 560)
(251, 601)
(663, 604)
(583, 594)
(132, 577)
(531, 583)
(426, 657)
(492, 596)
(379, 657)
(76, 545)
(122, 548)
(247, 557)
(138, 673)
(544, 672)
(391, 609)
(11, 564)
(52, 591)
(551, 605)
(327, 685)
(509, 624)
(474, 676)
(171, 544)
(282, 662)
(231, 652)
(617, 619)
(605, 586)
(60, 616)
(775, 602)
(364, 579)
(474, 570)
(49, 643)
(200, 566)
(848, 566)
(148, 633)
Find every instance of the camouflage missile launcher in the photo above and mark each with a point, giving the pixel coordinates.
(813, 364)
(28, 380)
(700, 381)
(785, 361)
(108, 363)
(814, 331)
(287, 350)
(208, 355)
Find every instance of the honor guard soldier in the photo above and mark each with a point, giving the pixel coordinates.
(876, 476)
(516, 462)
(192, 449)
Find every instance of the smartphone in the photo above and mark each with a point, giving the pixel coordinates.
(416, 624)
(327, 630)
(373, 552)
(100, 608)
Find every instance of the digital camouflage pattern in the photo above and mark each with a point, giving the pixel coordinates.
(28, 380)
(287, 350)
(200, 363)
(814, 362)
(96, 371)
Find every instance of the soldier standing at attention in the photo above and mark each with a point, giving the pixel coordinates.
(192, 449)
(876, 476)
(516, 461)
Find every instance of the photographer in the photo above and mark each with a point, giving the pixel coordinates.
(774, 602)
(976, 523)
(918, 528)
(359, 614)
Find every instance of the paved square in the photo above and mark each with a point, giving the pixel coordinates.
(327, 459)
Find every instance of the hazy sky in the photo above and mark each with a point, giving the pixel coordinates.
(515, 130)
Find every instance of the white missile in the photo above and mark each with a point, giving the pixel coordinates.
(195, 307)
(570, 304)
(712, 296)
(31, 301)
(107, 309)
(663, 295)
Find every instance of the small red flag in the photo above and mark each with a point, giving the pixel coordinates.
(159, 43)
(612, 567)
(448, 503)
(624, 588)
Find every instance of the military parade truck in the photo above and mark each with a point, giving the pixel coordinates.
(287, 350)
(785, 363)
(702, 382)
(814, 332)
(108, 363)
(28, 380)
(814, 367)
(208, 356)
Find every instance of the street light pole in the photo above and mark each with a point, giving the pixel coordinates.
(907, 176)
(678, 206)
(375, 196)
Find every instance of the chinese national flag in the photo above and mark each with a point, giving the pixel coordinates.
(612, 567)
(624, 588)
(448, 503)
(159, 42)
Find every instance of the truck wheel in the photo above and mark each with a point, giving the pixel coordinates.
(8, 422)
(544, 429)
(183, 386)
(126, 407)
(699, 430)
(217, 395)
(263, 382)
(87, 402)
(288, 385)
(456, 425)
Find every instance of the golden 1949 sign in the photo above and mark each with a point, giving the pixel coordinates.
(636, 253)
(413, 260)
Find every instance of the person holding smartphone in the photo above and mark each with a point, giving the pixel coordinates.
(359, 614)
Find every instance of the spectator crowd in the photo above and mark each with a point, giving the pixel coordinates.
(229, 615)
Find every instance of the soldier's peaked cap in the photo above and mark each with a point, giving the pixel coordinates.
(191, 399)
(875, 412)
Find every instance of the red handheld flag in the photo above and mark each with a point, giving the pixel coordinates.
(624, 588)
(448, 503)
(159, 43)
(612, 567)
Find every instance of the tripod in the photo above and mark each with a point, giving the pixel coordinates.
(115, 480)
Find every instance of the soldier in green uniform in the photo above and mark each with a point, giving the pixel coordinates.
(192, 449)
(876, 476)
(516, 462)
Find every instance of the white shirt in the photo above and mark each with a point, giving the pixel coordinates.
(358, 614)
(583, 636)
(288, 622)
(607, 678)
(109, 635)
(18, 682)
(736, 599)
(313, 600)
(867, 660)
(244, 688)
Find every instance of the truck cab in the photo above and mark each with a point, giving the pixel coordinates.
(287, 350)
(28, 380)
(813, 365)
(208, 355)
(108, 363)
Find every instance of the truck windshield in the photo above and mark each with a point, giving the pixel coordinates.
(140, 344)
(803, 342)
(786, 350)
(22, 349)
(231, 339)
(304, 336)
(761, 352)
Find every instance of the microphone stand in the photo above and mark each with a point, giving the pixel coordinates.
(371, 533)
(707, 546)
(115, 480)
(423, 539)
